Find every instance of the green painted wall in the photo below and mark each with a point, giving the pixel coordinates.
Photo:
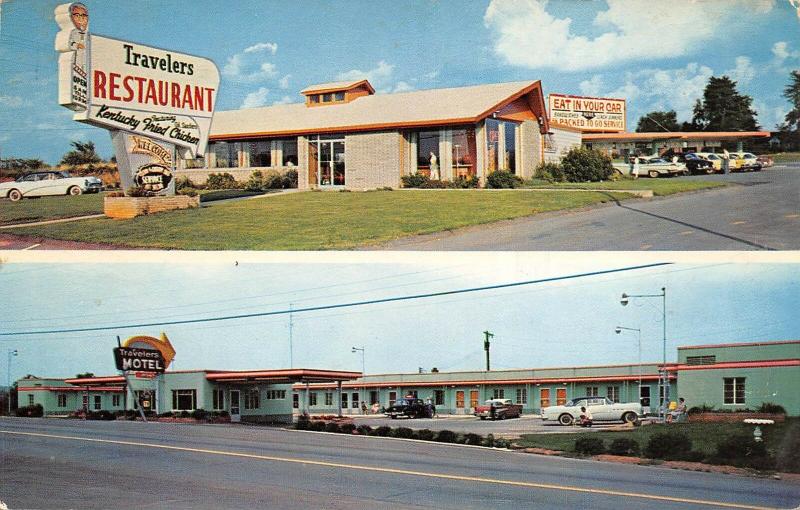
(745, 352)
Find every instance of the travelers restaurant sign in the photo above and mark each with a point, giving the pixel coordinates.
(153, 101)
(593, 114)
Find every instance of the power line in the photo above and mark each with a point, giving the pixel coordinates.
(339, 305)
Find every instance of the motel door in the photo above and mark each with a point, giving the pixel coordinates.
(236, 415)
(561, 396)
(331, 163)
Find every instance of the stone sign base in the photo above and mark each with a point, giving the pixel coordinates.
(125, 208)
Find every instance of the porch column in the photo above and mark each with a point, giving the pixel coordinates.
(339, 391)
(306, 400)
(739, 146)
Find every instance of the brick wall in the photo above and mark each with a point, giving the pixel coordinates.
(125, 208)
(530, 142)
(302, 161)
(372, 160)
(200, 175)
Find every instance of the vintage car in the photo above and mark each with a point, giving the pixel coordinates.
(39, 184)
(602, 409)
(696, 164)
(655, 166)
(498, 409)
(766, 161)
(410, 408)
(715, 159)
(746, 161)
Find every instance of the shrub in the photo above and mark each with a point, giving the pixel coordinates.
(382, 431)
(364, 430)
(274, 180)
(166, 415)
(502, 179)
(788, 460)
(290, 179)
(436, 184)
(473, 439)
(302, 422)
(744, 451)
(588, 445)
(317, 426)
(403, 432)
(462, 182)
(184, 182)
(425, 435)
(221, 181)
(347, 428)
(106, 415)
(550, 172)
(255, 182)
(135, 191)
(331, 426)
(446, 436)
(34, 411)
(582, 165)
(769, 407)
(490, 440)
(669, 446)
(416, 180)
(223, 414)
(189, 192)
(624, 446)
(502, 443)
(199, 414)
(704, 408)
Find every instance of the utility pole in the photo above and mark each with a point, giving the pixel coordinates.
(291, 327)
(488, 335)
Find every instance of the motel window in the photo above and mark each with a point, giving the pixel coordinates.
(252, 398)
(644, 396)
(30, 400)
(116, 400)
(427, 144)
(312, 398)
(511, 147)
(473, 399)
(289, 148)
(374, 397)
(522, 396)
(98, 402)
(438, 397)
(733, 388)
(498, 393)
(392, 397)
(327, 98)
(339, 96)
(354, 401)
(218, 399)
(460, 399)
(544, 398)
(183, 400)
(344, 400)
(613, 393)
(276, 394)
(62, 400)
(259, 152)
(295, 401)
(592, 391)
(314, 98)
(328, 398)
(226, 154)
(464, 152)
(492, 144)
(84, 402)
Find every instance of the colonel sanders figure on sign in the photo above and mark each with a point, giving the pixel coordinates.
(73, 43)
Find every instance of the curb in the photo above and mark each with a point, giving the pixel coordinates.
(49, 222)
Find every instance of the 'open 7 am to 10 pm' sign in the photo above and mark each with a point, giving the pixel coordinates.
(587, 113)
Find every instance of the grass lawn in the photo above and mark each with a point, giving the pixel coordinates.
(785, 157)
(317, 220)
(660, 187)
(704, 436)
(49, 208)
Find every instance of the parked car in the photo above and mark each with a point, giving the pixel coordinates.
(602, 409)
(766, 161)
(39, 184)
(410, 408)
(696, 164)
(654, 166)
(746, 161)
(715, 159)
(503, 408)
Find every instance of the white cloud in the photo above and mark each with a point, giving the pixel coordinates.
(11, 101)
(271, 47)
(770, 116)
(744, 72)
(249, 65)
(284, 82)
(284, 100)
(526, 35)
(255, 99)
(402, 86)
(378, 76)
(592, 86)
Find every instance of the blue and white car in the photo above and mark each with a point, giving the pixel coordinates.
(602, 409)
(39, 184)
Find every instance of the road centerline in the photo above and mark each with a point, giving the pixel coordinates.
(396, 471)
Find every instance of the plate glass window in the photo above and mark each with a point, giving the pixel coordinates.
(354, 402)
(427, 144)
(613, 393)
(259, 152)
(62, 400)
(252, 398)
(733, 388)
(438, 397)
(218, 399)
(98, 402)
(184, 400)
(522, 396)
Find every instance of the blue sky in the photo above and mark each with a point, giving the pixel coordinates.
(658, 55)
(567, 323)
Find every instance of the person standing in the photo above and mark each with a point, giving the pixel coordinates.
(726, 161)
(636, 167)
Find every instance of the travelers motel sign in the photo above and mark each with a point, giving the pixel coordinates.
(133, 89)
(594, 114)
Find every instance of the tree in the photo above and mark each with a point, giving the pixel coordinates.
(792, 93)
(658, 122)
(723, 108)
(84, 375)
(81, 154)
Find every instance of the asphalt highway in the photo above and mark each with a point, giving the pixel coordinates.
(51, 464)
(758, 211)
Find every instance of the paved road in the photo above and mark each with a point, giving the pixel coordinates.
(759, 211)
(71, 464)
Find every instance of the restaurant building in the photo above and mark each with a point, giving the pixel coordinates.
(724, 376)
(344, 135)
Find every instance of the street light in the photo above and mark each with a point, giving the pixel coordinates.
(620, 329)
(11, 352)
(364, 387)
(663, 377)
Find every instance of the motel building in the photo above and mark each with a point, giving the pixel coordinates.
(725, 376)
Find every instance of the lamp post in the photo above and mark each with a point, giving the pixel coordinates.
(620, 329)
(11, 352)
(663, 377)
(364, 387)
